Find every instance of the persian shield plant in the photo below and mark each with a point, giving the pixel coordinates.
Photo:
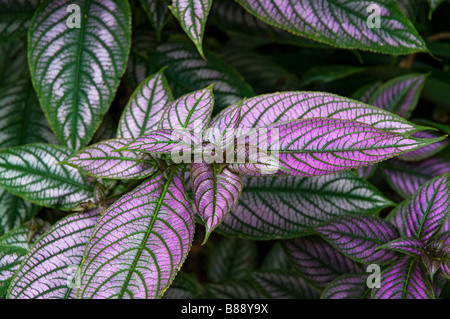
(139, 137)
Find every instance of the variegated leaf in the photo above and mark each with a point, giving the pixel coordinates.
(32, 172)
(345, 24)
(399, 95)
(140, 242)
(192, 15)
(215, 193)
(317, 261)
(14, 211)
(405, 279)
(426, 151)
(191, 111)
(320, 146)
(15, 17)
(360, 237)
(348, 286)
(286, 207)
(407, 177)
(51, 269)
(406, 245)
(76, 70)
(103, 160)
(145, 107)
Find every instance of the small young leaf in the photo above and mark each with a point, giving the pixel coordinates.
(32, 172)
(406, 245)
(140, 242)
(192, 15)
(102, 160)
(359, 237)
(317, 261)
(53, 263)
(352, 286)
(76, 70)
(286, 207)
(191, 111)
(145, 107)
(215, 193)
(343, 24)
(405, 279)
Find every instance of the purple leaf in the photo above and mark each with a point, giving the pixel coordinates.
(443, 240)
(405, 279)
(399, 95)
(406, 245)
(406, 177)
(426, 151)
(191, 111)
(140, 242)
(320, 146)
(317, 261)
(102, 160)
(223, 129)
(359, 237)
(215, 193)
(268, 109)
(53, 262)
(192, 15)
(286, 207)
(352, 286)
(425, 212)
(342, 23)
(145, 107)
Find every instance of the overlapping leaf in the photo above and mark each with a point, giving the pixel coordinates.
(409, 246)
(140, 242)
(13, 62)
(192, 15)
(342, 23)
(424, 213)
(405, 279)
(76, 71)
(51, 268)
(15, 17)
(318, 262)
(14, 211)
(399, 95)
(215, 193)
(359, 237)
(321, 146)
(157, 11)
(103, 160)
(31, 171)
(349, 286)
(407, 177)
(145, 107)
(285, 207)
(426, 151)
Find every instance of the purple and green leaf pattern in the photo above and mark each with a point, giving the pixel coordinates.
(351, 286)
(399, 95)
(282, 284)
(358, 237)
(15, 17)
(76, 71)
(192, 15)
(320, 146)
(413, 247)
(317, 261)
(268, 109)
(191, 111)
(425, 212)
(215, 193)
(103, 160)
(407, 177)
(32, 172)
(425, 151)
(145, 107)
(50, 270)
(404, 279)
(342, 23)
(140, 242)
(286, 207)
